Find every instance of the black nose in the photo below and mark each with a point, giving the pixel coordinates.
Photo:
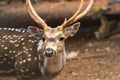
(49, 52)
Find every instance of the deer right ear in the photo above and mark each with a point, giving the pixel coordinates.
(35, 32)
(72, 30)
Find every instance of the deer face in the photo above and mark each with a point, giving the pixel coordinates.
(54, 39)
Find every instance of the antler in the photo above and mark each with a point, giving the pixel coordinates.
(66, 23)
(77, 14)
(34, 15)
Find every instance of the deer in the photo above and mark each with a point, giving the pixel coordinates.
(38, 53)
(107, 27)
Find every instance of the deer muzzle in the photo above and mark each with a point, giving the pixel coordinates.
(49, 52)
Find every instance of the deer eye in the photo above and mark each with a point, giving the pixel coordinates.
(61, 38)
(43, 38)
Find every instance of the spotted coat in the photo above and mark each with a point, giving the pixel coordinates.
(18, 53)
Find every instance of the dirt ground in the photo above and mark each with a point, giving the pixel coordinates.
(96, 60)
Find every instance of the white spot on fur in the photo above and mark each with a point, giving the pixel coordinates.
(40, 45)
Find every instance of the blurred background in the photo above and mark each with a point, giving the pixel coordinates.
(95, 48)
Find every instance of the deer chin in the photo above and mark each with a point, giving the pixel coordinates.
(53, 65)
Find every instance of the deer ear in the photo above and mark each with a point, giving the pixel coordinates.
(72, 30)
(35, 32)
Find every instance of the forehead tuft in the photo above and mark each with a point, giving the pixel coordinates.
(53, 32)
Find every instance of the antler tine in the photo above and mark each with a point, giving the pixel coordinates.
(77, 14)
(86, 11)
(34, 15)
(70, 20)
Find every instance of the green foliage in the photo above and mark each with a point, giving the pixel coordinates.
(2, 0)
(97, 8)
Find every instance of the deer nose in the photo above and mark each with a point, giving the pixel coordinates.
(49, 52)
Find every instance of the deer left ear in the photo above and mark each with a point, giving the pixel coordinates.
(72, 30)
(35, 32)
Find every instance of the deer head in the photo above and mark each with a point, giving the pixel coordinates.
(53, 38)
